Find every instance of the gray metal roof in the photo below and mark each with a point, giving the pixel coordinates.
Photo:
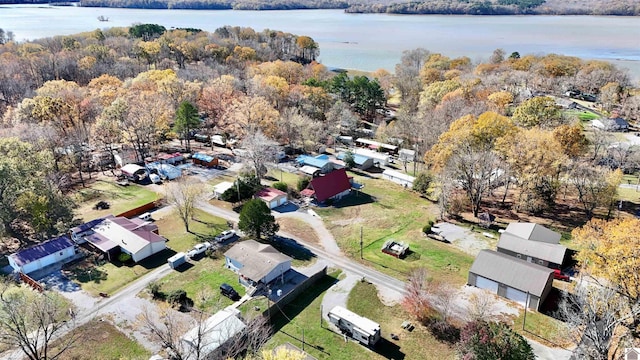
(533, 232)
(511, 271)
(553, 253)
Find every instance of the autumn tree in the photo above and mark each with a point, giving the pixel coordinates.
(608, 252)
(595, 186)
(407, 77)
(493, 340)
(594, 316)
(539, 111)
(571, 139)
(183, 194)
(256, 219)
(32, 321)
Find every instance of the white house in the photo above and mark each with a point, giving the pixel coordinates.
(378, 158)
(47, 253)
(133, 236)
(256, 263)
(398, 178)
(212, 334)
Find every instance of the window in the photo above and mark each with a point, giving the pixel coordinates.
(61, 253)
(540, 262)
(519, 256)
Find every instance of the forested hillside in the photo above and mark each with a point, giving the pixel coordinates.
(445, 7)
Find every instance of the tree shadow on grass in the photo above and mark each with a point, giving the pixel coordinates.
(291, 248)
(354, 199)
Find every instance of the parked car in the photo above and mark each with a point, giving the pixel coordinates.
(228, 291)
(225, 235)
(557, 274)
(198, 249)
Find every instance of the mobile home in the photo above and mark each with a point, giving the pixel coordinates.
(360, 328)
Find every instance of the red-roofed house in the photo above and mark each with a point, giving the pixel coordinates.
(333, 185)
(272, 197)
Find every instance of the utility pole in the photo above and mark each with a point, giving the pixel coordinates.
(526, 305)
(361, 256)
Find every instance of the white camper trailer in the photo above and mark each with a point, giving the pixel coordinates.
(353, 325)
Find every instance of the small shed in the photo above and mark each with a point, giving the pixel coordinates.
(272, 197)
(525, 283)
(220, 189)
(310, 170)
(134, 172)
(211, 336)
(406, 155)
(47, 253)
(177, 260)
(398, 178)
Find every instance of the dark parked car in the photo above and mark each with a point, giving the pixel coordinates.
(228, 291)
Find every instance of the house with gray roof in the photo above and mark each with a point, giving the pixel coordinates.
(256, 263)
(533, 232)
(533, 243)
(523, 282)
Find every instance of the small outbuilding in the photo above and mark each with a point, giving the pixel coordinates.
(134, 172)
(320, 162)
(58, 250)
(362, 162)
(220, 189)
(381, 159)
(211, 336)
(523, 282)
(272, 197)
(205, 160)
(399, 178)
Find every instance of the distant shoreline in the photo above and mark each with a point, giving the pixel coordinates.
(470, 8)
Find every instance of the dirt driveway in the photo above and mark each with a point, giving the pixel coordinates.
(463, 238)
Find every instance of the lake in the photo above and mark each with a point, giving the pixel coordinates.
(368, 41)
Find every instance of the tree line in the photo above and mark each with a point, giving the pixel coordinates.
(220, 4)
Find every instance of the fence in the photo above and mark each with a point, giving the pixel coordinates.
(290, 296)
(141, 209)
(29, 281)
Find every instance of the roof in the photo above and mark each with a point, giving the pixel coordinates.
(307, 192)
(41, 250)
(167, 170)
(377, 144)
(511, 271)
(331, 184)
(131, 234)
(553, 253)
(398, 175)
(533, 232)
(222, 187)
(313, 161)
(88, 225)
(257, 259)
(309, 170)
(373, 154)
(368, 326)
(270, 194)
(215, 331)
(131, 169)
(202, 157)
(357, 158)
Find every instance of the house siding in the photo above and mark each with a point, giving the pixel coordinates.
(276, 272)
(525, 257)
(44, 261)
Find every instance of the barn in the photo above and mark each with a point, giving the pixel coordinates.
(60, 249)
(511, 278)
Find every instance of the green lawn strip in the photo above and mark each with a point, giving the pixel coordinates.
(629, 194)
(276, 175)
(630, 179)
(102, 340)
(121, 198)
(417, 344)
(542, 328)
(387, 211)
(205, 227)
(201, 280)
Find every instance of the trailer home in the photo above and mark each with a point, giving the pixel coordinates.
(355, 326)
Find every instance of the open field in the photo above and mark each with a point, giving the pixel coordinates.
(203, 227)
(386, 211)
(103, 341)
(121, 198)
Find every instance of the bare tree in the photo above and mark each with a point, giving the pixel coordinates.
(481, 306)
(593, 314)
(183, 195)
(259, 150)
(31, 321)
(595, 186)
(167, 326)
(251, 340)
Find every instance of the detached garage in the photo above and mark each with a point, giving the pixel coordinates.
(511, 278)
(36, 258)
(272, 197)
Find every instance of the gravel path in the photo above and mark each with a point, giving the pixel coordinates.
(463, 238)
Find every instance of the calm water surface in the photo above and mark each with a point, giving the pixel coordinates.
(369, 41)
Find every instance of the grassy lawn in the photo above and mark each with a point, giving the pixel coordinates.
(102, 340)
(542, 328)
(203, 228)
(417, 344)
(582, 115)
(202, 283)
(387, 211)
(274, 175)
(121, 198)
